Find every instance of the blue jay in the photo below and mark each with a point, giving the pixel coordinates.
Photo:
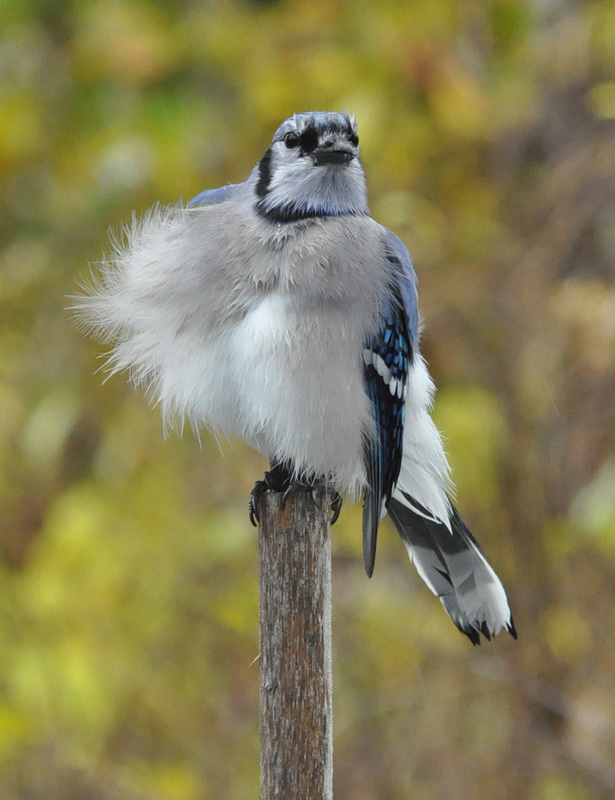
(279, 311)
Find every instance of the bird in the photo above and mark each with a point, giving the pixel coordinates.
(279, 311)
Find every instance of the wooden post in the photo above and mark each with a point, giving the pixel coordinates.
(296, 718)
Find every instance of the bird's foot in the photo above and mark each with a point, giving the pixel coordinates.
(279, 480)
(318, 488)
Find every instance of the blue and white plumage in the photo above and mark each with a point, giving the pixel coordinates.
(279, 311)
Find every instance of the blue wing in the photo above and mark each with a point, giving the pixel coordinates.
(398, 255)
(387, 356)
(213, 196)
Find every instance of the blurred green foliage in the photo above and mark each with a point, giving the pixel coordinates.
(128, 613)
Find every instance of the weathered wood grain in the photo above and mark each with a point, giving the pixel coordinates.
(295, 649)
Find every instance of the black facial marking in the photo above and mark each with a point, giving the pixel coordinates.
(264, 174)
(309, 139)
(284, 214)
(291, 213)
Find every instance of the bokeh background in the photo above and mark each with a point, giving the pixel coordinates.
(128, 567)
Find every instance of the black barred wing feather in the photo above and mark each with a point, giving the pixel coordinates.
(387, 357)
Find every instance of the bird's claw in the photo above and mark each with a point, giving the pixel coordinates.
(260, 487)
(319, 490)
(298, 487)
(276, 479)
(336, 506)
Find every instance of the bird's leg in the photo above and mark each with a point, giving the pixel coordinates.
(280, 478)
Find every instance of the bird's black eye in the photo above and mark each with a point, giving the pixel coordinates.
(291, 140)
(354, 138)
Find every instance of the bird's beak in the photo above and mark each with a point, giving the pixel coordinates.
(332, 153)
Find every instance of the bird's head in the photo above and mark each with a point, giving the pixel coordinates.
(311, 169)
